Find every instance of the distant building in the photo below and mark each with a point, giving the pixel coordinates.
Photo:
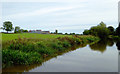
(39, 31)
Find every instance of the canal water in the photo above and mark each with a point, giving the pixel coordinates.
(98, 57)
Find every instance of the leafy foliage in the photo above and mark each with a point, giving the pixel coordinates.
(100, 30)
(111, 30)
(8, 26)
(17, 29)
(86, 32)
(118, 30)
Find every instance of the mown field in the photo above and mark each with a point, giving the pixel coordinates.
(26, 48)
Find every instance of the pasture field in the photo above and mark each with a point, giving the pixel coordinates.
(8, 37)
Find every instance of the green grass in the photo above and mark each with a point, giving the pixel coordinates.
(26, 48)
(8, 37)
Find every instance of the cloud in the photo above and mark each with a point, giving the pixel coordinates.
(44, 0)
(61, 14)
(41, 11)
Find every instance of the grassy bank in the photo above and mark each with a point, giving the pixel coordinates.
(26, 51)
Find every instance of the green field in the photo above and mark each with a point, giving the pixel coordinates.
(8, 37)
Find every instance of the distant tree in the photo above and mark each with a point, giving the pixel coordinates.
(52, 32)
(17, 29)
(8, 26)
(66, 33)
(86, 32)
(21, 30)
(118, 30)
(60, 33)
(25, 30)
(1, 28)
(56, 31)
(102, 24)
(111, 30)
(72, 33)
(101, 31)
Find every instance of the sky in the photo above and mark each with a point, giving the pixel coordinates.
(64, 15)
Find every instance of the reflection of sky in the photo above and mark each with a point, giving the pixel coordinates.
(64, 15)
(83, 60)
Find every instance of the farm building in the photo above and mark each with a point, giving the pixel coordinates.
(39, 31)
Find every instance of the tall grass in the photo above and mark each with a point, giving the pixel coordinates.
(31, 50)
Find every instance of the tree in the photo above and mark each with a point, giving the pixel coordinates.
(86, 32)
(8, 26)
(25, 31)
(118, 45)
(56, 31)
(102, 24)
(117, 32)
(72, 33)
(21, 30)
(17, 29)
(100, 31)
(66, 33)
(111, 30)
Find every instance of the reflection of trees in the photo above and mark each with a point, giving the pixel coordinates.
(110, 43)
(82, 45)
(20, 68)
(101, 45)
(118, 45)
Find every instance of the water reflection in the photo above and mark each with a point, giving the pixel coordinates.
(25, 68)
(118, 47)
(101, 45)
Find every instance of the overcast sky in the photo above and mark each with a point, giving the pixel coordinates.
(64, 15)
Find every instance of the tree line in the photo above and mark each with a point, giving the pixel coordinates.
(102, 31)
(8, 26)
